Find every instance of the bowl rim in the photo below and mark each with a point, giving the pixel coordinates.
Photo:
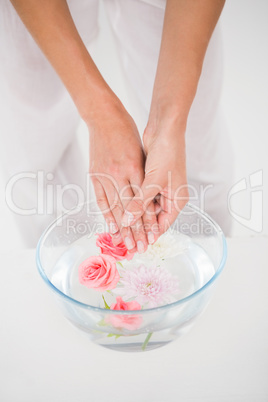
(147, 310)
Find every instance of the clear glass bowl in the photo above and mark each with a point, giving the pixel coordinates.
(63, 245)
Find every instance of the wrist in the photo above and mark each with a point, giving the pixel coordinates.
(91, 94)
(165, 129)
(168, 120)
(96, 107)
(173, 96)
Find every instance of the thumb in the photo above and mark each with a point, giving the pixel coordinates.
(137, 206)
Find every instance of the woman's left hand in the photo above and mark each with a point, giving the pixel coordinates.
(165, 175)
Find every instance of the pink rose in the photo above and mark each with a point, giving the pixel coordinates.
(119, 252)
(130, 322)
(99, 272)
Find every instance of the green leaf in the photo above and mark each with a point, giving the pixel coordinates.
(102, 323)
(120, 263)
(105, 304)
(115, 335)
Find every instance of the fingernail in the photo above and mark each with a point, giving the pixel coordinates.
(140, 247)
(129, 243)
(156, 228)
(127, 219)
(150, 238)
(113, 227)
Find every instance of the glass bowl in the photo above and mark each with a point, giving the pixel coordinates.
(64, 245)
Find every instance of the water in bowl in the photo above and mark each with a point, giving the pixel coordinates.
(193, 268)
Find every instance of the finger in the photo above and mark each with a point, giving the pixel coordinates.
(117, 208)
(157, 206)
(165, 203)
(150, 223)
(165, 219)
(104, 207)
(137, 206)
(139, 234)
(170, 212)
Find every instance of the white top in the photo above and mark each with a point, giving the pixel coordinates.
(223, 359)
(156, 3)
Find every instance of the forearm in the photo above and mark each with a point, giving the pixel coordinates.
(188, 26)
(51, 25)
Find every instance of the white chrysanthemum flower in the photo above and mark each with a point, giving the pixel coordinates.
(168, 245)
(150, 286)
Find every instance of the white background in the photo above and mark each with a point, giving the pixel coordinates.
(222, 359)
(244, 100)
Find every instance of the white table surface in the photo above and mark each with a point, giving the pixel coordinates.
(223, 358)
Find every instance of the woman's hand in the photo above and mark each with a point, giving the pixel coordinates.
(117, 172)
(117, 158)
(188, 26)
(165, 175)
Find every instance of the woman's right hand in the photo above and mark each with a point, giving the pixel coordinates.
(117, 171)
(117, 158)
